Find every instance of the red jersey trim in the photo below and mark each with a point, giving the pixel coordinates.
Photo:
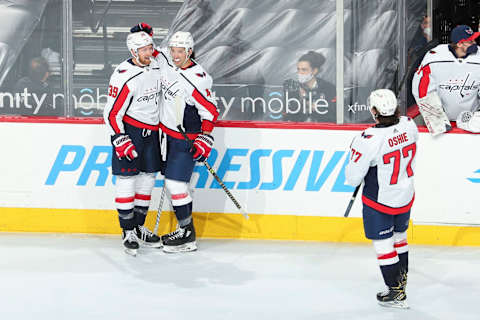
(207, 125)
(424, 82)
(207, 104)
(139, 124)
(386, 209)
(117, 105)
(176, 134)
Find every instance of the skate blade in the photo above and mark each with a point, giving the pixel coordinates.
(395, 304)
(156, 245)
(131, 252)
(187, 247)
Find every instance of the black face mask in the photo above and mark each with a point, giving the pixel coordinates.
(472, 49)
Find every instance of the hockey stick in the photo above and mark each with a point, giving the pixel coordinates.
(209, 168)
(352, 200)
(159, 211)
(214, 174)
(428, 45)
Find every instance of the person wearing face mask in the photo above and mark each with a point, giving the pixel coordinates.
(309, 98)
(420, 45)
(447, 83)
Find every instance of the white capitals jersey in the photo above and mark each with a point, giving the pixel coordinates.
(196, 111)
(384, 157)
(133, 95)
(456, 80)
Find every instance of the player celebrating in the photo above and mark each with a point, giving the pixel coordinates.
(447, 83)
(187, 101)
(131, 115)
(384, 157)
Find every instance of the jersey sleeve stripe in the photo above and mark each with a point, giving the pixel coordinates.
(117, 105)
(207, 125)
(205, 103)
(424, 82)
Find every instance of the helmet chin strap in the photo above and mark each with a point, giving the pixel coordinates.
(137, 60)
(187, 57)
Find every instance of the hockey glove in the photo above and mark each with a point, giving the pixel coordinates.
(202, 146)
(469, 121)
(142, 26)
(124, 147)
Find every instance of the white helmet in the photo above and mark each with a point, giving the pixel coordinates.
(181, 39)
(384, 101)
(138, 40)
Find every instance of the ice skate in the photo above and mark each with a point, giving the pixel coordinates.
(130, 242)
(181, 240)
(393, 297)
(147, 238)
(168, 235)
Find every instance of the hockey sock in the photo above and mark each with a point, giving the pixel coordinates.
(183, 214)
(140, 215)
(181, 201)
(388, 260)
(401, 246)
(124, 197)
(126, 219)
(390, 274)
(143, 189)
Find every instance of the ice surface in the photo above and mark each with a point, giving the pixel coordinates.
(52, 276)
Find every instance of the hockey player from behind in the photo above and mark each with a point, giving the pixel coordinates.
(186, 100)
(131, 115)
(446, 86)
(383, 156)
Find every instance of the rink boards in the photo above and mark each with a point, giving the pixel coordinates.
(57, 178)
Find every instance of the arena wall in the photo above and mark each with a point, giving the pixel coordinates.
(57, 178)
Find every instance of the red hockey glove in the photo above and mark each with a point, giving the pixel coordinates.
(124, 147)
(202, 146)
(142, 26)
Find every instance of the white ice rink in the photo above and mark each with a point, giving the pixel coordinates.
(49, 276)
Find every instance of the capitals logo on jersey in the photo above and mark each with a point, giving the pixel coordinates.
(463, 86)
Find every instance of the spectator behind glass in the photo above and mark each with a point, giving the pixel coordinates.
(417, 51)
(34, 94)
(309, 98)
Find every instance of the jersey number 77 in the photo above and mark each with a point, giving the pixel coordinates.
(397, 155)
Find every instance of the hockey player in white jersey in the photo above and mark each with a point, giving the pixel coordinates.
(187, 101)
(446, 86)
(383, 157)
(132, 116)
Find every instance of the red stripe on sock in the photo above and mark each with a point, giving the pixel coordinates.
(400, 244)
(142, 196)
(179, 196)
(390, 255)
(124, 200)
